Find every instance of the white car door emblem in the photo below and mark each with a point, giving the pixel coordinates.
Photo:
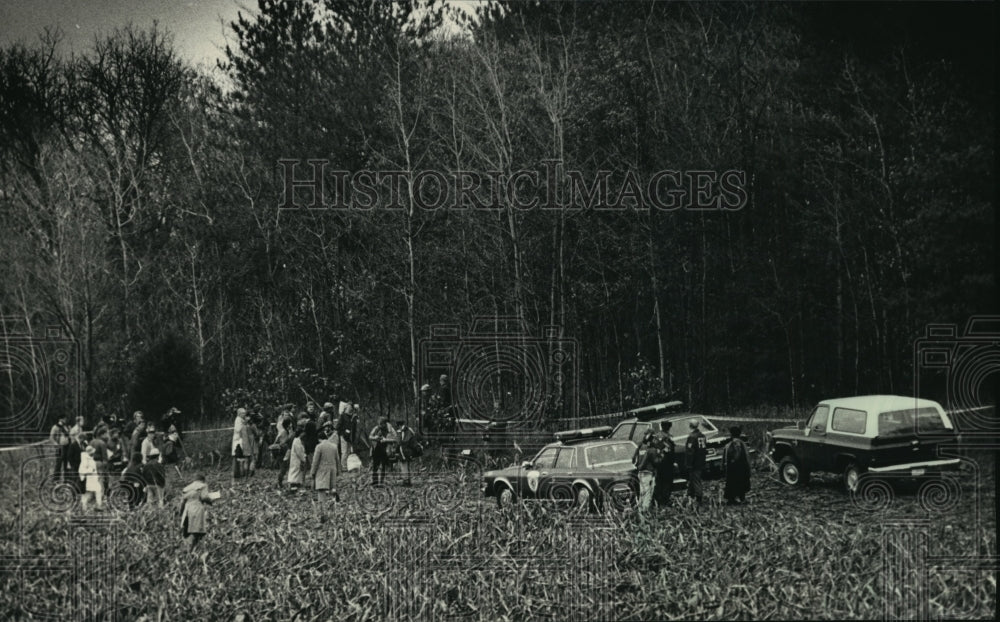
(533, 480)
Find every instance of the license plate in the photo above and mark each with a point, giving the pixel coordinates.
(918, 472)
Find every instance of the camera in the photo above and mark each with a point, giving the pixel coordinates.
(961, 372)
(44, 375)
(499, 373)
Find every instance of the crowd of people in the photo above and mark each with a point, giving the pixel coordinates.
(129, 460)
(313, 449)
(319, 444)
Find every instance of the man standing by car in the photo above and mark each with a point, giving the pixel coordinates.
(736, 461)
(694, 452)
(647, 459)
(665, 468)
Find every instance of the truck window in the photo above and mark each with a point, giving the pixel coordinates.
(904, 422)
(849, 420)
(817, 422)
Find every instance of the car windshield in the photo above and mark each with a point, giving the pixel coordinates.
(903, 422)
(680, 428)
(610, 454)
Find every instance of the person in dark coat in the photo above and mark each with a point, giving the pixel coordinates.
(646, 459)
(74, 454)
(694, 453)
(736, 462)
(133, 483)
(665, 467)
(381, 437)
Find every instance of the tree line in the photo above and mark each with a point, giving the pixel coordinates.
(139, 203)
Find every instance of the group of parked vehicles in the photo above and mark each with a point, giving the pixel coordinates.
(857, 438)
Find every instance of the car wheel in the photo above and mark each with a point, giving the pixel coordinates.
(622, 496)
(506, 499)
(790, 472)
(852, 477)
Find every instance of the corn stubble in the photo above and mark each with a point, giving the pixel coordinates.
(790, 554)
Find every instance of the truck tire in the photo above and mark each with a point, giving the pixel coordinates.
(852, 477)
(790, 472)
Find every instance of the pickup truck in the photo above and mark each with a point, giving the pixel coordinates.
(870, 436)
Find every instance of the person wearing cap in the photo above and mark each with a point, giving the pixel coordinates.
(92, 485)
(171, 419)
(381, 437)
(695, 451)
(326, 467)
(194, 516)
(173, 452)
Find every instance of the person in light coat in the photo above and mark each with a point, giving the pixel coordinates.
(242, 443)
(194, 518)
(326, 466)
(92, 485)
(296, 462)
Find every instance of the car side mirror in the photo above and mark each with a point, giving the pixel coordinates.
(800, 425)
(526, 464)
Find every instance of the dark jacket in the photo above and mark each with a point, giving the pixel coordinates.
(695, 450)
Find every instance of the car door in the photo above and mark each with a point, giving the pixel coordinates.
(541, 468)
(556, 482)
(813, 448)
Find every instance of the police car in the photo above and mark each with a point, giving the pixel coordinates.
(583, 469)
